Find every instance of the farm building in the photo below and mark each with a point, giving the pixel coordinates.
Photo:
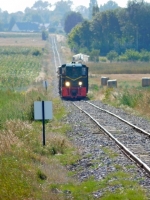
(25, 27)
(80, 58)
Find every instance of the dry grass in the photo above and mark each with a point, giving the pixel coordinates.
(126, 77)
(23, 41)
(133, 80)
(9, 136)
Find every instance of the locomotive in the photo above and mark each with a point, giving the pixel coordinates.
(73, 81)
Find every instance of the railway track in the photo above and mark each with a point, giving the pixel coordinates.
(133, 140)
(56, 53)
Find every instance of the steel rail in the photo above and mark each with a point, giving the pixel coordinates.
(132, 125)
(125, 149)
(55, 53)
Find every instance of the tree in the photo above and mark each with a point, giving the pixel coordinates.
(94, 55)
(112, 55)
(62, 7)
(83, 10)
(12, 22)
(92, 4)
(110, 5)
(95, 10)
(41, 5)
(72, 19)
(79, 39)
(44, 35)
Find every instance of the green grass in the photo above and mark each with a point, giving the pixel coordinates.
(16, 179)
(123, 188)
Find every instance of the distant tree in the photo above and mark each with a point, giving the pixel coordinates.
(44, 35)
(12, 22)
(91, 5)
(110, 5)
(41, 5)
(36, 17)
(72, 19)
(95, 10)
(63, 7)
(94, 55)
(5, 17)
(112, 55)
(1, 26)
(83, 10)
(80, 37)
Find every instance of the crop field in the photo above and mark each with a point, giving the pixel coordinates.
(20, 67)
(20, 61)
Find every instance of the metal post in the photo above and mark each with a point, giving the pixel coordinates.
(43, 121)
(46, 86)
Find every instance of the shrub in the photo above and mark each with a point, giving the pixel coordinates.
(130, 99)
(112, 55)
(123, 58)
(132, 55)
(103, 59)
(44, 35)
(144, 56)
(36, 52)
(94, 55)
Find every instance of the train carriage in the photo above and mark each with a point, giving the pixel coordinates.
(73, 80)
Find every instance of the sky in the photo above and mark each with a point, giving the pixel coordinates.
(20, 5)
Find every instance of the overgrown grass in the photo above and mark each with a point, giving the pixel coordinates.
(23, 156)
(119, 68)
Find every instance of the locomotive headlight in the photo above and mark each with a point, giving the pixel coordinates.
(67, 84)
(80, 83)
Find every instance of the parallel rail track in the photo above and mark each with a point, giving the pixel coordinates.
(56, 54)
(132, 151)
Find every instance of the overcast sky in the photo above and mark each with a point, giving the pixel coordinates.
(20, 5)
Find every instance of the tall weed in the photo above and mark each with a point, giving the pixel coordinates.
(130, 98)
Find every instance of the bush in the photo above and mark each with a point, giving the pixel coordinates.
(130, 99)
(145, 56)
(112, 55)
(94, 55)
(103, 59)
(122, 58)
(36, 53)
(132, 55)
(44, 35)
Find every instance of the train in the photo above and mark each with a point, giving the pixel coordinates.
(73, 81)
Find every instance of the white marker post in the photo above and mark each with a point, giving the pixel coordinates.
(43, 111)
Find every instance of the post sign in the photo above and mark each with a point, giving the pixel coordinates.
(43, 111)
(48, 113)
(45, 84)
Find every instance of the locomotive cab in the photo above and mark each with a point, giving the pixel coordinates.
(73, 80)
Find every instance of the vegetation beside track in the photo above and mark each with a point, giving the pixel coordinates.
(129, 93)
(29, 170)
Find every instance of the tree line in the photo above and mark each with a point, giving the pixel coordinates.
(116, 30)
(54, 14)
